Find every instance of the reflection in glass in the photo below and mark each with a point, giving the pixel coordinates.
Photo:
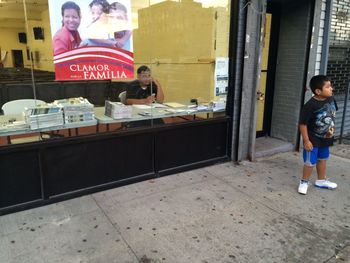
(180, 41)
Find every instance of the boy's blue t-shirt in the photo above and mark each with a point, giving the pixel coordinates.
(319, 117)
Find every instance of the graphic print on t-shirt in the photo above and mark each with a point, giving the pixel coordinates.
(324, 123)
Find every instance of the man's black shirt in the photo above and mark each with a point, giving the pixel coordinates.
(135, 91)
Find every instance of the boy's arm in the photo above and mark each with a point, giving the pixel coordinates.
(120, 42)
(307, 143)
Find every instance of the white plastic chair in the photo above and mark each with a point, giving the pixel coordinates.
(17, 106)
(122, 97)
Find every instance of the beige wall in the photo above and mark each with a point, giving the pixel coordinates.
(9, 41)
(180, 41)
(42, 49)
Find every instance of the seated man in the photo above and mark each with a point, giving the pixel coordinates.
(145, 89)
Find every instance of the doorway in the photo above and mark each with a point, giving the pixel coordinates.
(268, 70)
(17, 58)
(284, 68)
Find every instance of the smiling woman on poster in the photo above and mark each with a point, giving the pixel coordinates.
(68, 38)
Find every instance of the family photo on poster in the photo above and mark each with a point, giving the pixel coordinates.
(91, 39)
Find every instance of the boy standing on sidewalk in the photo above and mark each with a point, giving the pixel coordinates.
(317, 128)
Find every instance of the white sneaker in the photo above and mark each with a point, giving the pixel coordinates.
(325, 184)
(303, 185)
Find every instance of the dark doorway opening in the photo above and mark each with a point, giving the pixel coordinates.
(17, 58)
(268, 69)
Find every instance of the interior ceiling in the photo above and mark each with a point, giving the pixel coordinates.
(12, 12)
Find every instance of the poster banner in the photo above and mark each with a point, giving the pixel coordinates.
(91, 39)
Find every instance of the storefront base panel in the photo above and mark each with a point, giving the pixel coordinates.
(49, 171)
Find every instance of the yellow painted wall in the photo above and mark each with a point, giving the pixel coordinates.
(42, 49)
(222, 31)
(177, 40)
(9, 41)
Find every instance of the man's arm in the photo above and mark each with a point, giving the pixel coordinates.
(307, 143)
(147, 100)
(160, 93)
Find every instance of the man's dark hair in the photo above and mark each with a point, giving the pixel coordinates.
(317, 82)
(70, 5)
(143, 69)
(103, 3)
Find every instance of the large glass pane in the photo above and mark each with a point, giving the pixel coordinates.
(16, 86)
(182, 41)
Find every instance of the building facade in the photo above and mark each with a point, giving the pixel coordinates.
(273, 48)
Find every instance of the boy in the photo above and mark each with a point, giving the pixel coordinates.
(317, 128)
(96, 34)
(98, 9)
(118, 19)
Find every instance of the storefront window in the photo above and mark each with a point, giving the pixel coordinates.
(183, 43)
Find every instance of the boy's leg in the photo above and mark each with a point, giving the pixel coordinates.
(307, 172)
(322, 182)
(321, 168)
(310, 159)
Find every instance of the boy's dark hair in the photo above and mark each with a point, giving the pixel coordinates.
(143, 68)
(103, 3)
(70, 5)
(118, 6)
(317, 82)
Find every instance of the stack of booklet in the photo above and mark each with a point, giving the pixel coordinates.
(218, 105)
(76, 109)
(13, 126)
(43, 116)
(117, 110)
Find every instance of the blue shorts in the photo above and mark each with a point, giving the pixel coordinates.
(317, 153)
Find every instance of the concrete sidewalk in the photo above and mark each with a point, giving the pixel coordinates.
(223, 213)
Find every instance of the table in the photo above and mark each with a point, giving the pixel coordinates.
(7, 129)
(35, 174)
(155, 113)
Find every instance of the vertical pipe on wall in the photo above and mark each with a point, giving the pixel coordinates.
(344, 114)
(325, 44)
(309, 75)
(31, 56)
(261, 13)
(246, 142)
(236, 55)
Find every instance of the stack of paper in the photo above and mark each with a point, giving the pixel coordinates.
(117, 110)
(218, 105)
(149, 106)
(43, 116)
(76, 109)
(202, 108)
(174, 105)
(13, 126)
